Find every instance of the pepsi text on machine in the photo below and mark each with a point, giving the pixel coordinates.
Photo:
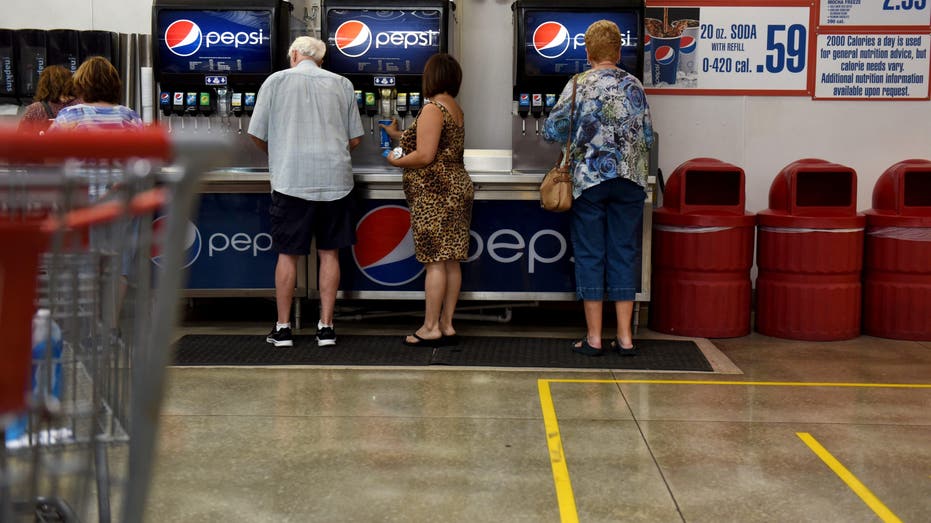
(554, 41)
(385, 41)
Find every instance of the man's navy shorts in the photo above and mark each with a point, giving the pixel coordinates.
(296, 221)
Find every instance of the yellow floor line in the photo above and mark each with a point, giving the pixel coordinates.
(564, 495)
(855, 485)
(754, 383)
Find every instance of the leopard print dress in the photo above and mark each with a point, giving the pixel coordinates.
(440, 196)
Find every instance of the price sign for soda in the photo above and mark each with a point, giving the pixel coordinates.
(758, 50)
(876, 13)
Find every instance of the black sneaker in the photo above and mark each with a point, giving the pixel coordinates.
(280, 337)
(326, 336)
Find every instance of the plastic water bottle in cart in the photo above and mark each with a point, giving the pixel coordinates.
(45, 372)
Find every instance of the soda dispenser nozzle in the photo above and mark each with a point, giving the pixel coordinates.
(205, 106)
(523, 109)
(401, 107)
(536, 109)
(387, 96)
(205, 103)
(248, 103)
(371, 109)
(164, 103)
(177, 103)
(549, 103)
(414, 101)
(236, 106)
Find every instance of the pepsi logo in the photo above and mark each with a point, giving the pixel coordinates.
(384, 249)
(183, 37)
(192, 243)
(687, 45)
(647, 42)
(551, 39)
(353, 38)
(665, 55)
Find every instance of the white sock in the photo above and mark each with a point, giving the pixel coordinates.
(321, 325)
(279, 326)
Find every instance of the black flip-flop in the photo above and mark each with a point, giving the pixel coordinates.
(449, 341)
(630, 351)
(586, 349)
(422, 342)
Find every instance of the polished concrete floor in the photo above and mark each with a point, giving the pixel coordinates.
(750, 442)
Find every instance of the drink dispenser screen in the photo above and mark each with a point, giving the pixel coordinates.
(392, 41)
(212, 41)
(554, 41)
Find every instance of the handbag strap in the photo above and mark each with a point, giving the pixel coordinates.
(48, 110)
(566, 159)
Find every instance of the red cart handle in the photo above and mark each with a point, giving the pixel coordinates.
(25, 148)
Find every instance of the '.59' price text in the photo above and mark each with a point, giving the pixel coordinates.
(786, 48)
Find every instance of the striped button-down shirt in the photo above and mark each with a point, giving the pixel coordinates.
(307, 115)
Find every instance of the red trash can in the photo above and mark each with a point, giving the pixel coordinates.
(702, 253)
(897, 279)
(810, 254)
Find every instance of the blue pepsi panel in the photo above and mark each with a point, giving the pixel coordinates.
(228, 246)
(515, 246)
(555, 40)
(389, 41)
(205, 41)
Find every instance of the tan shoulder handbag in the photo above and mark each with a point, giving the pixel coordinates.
(556, 187)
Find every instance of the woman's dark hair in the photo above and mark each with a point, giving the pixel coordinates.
(96, 80)
(441, 74)
(54, 84)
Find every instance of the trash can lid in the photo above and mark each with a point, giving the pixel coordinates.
(706, 184)
(768, 218)
(812, 187)
(904, 189)
(876, 218)
(663, 216)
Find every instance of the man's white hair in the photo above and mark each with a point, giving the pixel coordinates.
(309, 47)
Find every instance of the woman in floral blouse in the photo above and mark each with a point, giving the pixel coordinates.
(612, 135)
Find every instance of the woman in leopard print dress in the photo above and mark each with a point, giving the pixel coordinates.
(439, 193)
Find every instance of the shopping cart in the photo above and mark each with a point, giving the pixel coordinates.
(93, 229)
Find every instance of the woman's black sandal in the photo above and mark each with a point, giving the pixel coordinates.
(630, 351)
(585, 349)
(422, 342)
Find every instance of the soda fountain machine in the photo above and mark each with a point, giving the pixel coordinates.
(211, 57)
(382, 48)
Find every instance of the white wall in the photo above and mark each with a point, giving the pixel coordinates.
(760, 134)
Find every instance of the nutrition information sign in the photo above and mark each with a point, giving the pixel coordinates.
(728, 47)
(873, 50)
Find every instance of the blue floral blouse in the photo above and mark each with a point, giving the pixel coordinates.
(612, 130)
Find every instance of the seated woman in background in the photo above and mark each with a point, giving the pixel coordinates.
(54, 92)
(97, 84)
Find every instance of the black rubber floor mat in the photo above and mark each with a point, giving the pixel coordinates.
(672, 355)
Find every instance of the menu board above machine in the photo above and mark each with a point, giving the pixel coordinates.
(214, 41)
(377, 41)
